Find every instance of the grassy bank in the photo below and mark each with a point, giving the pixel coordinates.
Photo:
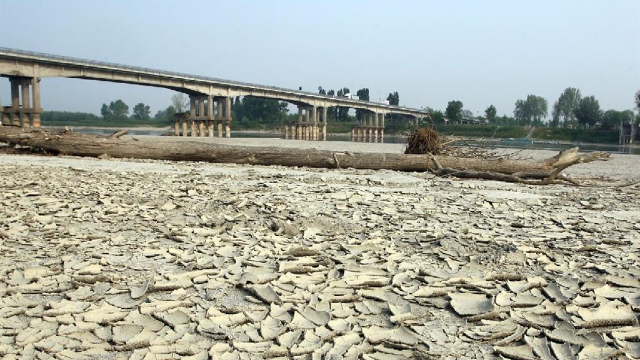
(577, 135)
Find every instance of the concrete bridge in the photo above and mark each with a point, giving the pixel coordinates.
(210, 97)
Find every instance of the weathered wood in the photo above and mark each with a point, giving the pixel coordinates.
(79, 144)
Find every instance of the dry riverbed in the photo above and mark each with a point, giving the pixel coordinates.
(122, 259)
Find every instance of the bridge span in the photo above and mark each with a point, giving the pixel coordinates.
(210, 98)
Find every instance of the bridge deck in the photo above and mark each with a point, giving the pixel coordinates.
(249, 88)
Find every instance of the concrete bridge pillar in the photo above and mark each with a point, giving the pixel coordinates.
(228, 116)
(2, 115)
(367, 116)
(194, 128)
(193, 114)
(210, 115)
(192, 109)
(305, 133)
(37, 109)
(15, 101)
(324, 123)
(218, 116)
(26, 103)
(375, 128)
(314, 123)
(382, 128)
(298, 130)
(201, 116)
(25, 107)
(185, 129)
(6, 118)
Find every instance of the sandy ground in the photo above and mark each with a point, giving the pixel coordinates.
(134, 259)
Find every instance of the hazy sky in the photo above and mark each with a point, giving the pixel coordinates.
(431, 52)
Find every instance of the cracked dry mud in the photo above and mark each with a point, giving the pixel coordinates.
(120, 259)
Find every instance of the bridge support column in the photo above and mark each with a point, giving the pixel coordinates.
(218, 116)
(194, 128)
(185, 127)
(382, 128)
(201, 116)
(228, 118)
(4, 115)
(25, 107)
(176, 126)
(371, 122)
(314, 124)
(210, 115)
(305, 135)
(298, 128)
(15, 101)
(375, 128)
(367, 129)
(37, 110)
(193, 115)
(324, 123)
(26, 103)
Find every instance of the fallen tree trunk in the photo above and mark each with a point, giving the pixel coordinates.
(80, 144)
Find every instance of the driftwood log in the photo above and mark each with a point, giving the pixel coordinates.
(80, 144)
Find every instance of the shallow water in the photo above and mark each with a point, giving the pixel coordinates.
(614, 149)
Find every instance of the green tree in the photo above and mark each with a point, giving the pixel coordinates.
(343, 112)
(454, 111)
(105, 111)
(332, 112)
(490, 113)
(564, 108)
(179, 101)
(638, 100)
(142, 112)
(588, 111)
(165, 116)
(611, 119)
(531, 111)
(436, 116)
(119, 109)
(394, 98)
(261, 110)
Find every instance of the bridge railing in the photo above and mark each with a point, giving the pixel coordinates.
(79, 61)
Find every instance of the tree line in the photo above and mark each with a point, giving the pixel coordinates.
(571, 110)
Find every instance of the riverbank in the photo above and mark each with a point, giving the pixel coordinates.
(486, 132)
(117, 258)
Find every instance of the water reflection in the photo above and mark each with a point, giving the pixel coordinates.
(614, 149)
